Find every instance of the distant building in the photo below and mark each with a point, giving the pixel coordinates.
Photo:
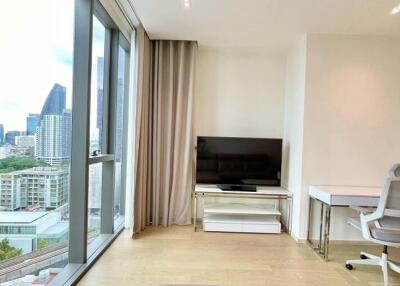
(21, 151)
(32, 121)
(46, 187)
(53, 133)
(10, 137)
(94, 201)
(25, 141)
(100, 95)
(26, 230)
(1, 134)
(4, 151)
(55, 101)
(119, 121)
(53, 138)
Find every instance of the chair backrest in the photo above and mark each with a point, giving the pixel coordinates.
(393, 196)
(388, 211)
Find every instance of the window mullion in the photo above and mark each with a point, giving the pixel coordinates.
(107, 194)
(125, 134)
(80, 131)
(106, 93)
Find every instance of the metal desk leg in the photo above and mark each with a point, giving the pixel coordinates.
(320, 227)
(310, 213)
(195, 212)
(327, 229)
(290, 214)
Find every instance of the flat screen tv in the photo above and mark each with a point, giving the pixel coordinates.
(229, 162)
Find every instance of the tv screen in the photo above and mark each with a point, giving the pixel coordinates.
(239, 161)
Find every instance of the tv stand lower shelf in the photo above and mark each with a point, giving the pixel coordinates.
(241, 223)
(241, 217)
(244, 217)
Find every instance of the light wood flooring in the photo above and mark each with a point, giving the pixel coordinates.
(178, 256)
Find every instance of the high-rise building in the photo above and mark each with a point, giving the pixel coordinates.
(53, 133)
(46, 187)
(55, 102)
(53, 138)
(32, 121)
(100, 94)
(1, 134)
(10, 137)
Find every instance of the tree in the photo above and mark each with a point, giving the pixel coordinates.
(19, 163)
(42, 243)
(7, 251)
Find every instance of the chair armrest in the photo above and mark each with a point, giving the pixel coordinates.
(363, 210)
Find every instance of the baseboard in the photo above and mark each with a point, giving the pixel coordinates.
(298, 240)
(343, 242)
(333, 242)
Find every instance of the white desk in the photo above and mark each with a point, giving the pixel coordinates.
(337, 196)
(269, 193)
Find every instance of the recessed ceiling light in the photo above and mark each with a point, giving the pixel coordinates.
(186, 3)
(396, 10)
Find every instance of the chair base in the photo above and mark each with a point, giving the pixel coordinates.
(383, 262)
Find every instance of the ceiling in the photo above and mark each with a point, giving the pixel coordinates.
(272, 25)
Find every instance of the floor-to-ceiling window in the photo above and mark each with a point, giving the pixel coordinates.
(36, 54)
(62, 137)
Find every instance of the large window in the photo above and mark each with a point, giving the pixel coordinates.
(62, 137)
(35, 135)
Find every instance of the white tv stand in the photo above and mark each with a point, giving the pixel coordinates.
(243, 217)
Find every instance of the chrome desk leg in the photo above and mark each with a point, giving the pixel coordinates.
(327, 229)
(310, 212)
(194, 212)
(290, 219)
(321, 221)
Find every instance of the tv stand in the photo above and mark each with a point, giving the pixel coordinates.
(240, 188)
(243, 216)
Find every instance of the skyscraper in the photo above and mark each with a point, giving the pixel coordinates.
(1, 134)
(55, 102)
(53, 136)
(10, 137)
(32, 121)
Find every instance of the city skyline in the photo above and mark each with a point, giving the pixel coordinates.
(47, 61)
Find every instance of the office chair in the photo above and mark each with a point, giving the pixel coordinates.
(381, 225)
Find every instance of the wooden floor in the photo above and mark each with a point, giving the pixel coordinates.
(177, 255)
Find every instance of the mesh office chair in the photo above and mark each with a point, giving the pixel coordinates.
(382, 225)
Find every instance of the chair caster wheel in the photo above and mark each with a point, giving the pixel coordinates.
(349, 266)
(362, 256)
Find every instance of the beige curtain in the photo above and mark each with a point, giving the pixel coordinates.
(163, 170)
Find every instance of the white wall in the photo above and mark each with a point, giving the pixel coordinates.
(351, 117)
(294, 123)
(239, 93)
(342, 109)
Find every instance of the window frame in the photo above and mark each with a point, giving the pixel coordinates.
(81, 255)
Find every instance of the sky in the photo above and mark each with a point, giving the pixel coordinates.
(36, 51)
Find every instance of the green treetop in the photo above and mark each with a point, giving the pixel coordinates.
(7, 251)
(19, 163)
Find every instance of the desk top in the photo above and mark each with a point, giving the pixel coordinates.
(261, 190)
(346, 195)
